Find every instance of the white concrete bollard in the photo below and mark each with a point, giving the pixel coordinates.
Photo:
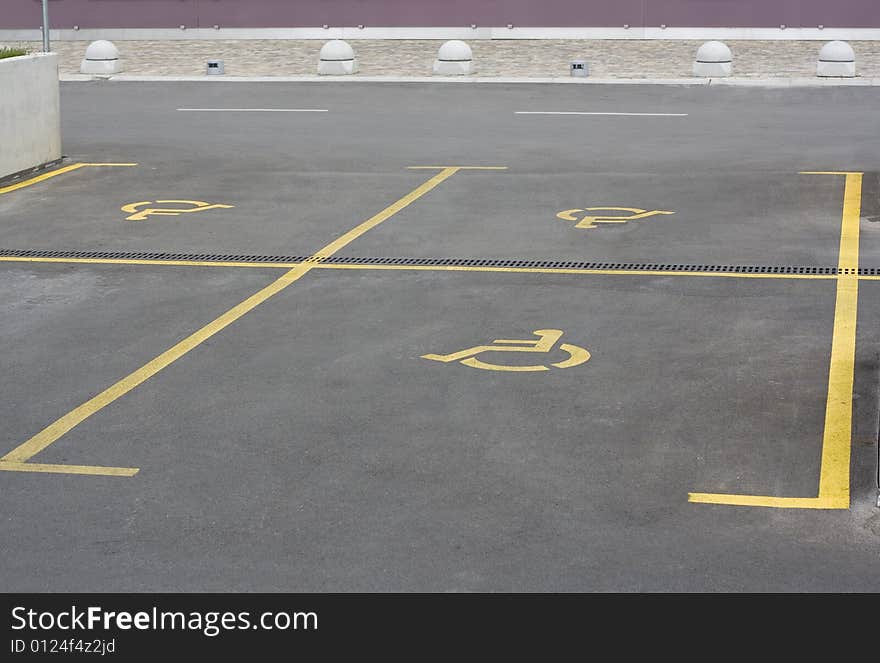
(713, 60)
(836, 58)
(454, 59)
(337, 59)
(102, 57)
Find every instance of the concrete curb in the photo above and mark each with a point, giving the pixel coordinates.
(743, 82)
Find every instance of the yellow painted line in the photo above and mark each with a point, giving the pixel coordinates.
(54, 431)
(93, 470)
(837, 437)
(388, 212)
(766, 501)
(55, 173)
(40, 178)
(837, 441)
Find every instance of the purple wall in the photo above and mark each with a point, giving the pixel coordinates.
(17, 14)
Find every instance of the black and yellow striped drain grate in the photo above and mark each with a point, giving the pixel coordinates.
(447, 262)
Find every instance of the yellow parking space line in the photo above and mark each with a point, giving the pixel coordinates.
(54, 431)
(834, 480)
(58, 428)
(40, 178)
(766, 501)
(57, 172)
(837, 442)
(346, 239)
(93, 470)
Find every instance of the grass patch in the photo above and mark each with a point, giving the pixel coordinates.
(9, 52)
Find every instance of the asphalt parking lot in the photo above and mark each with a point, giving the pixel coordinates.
(444, 337)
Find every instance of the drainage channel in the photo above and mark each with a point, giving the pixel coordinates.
(447, 262)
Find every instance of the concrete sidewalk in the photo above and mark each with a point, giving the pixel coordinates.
(608, 59)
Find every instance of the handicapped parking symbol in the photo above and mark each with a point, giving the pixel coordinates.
(547, 338)
(590, 220)
(138, 214)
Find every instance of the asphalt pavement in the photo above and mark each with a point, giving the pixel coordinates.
(439, 337)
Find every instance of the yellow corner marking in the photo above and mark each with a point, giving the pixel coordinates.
(57, 172)
(546, 340)
(591, 220)
(28, 449)
(141, 215)
(93, 470)
(837, 436)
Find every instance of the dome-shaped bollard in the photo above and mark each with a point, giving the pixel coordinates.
(101, 57)
(454, 58)
(337, 58)
(713, 60)
(836, 58)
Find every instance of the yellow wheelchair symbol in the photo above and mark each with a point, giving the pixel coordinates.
(547, 339)
(591, 220)
(142, 215)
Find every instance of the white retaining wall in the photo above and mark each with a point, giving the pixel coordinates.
(30, 116)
